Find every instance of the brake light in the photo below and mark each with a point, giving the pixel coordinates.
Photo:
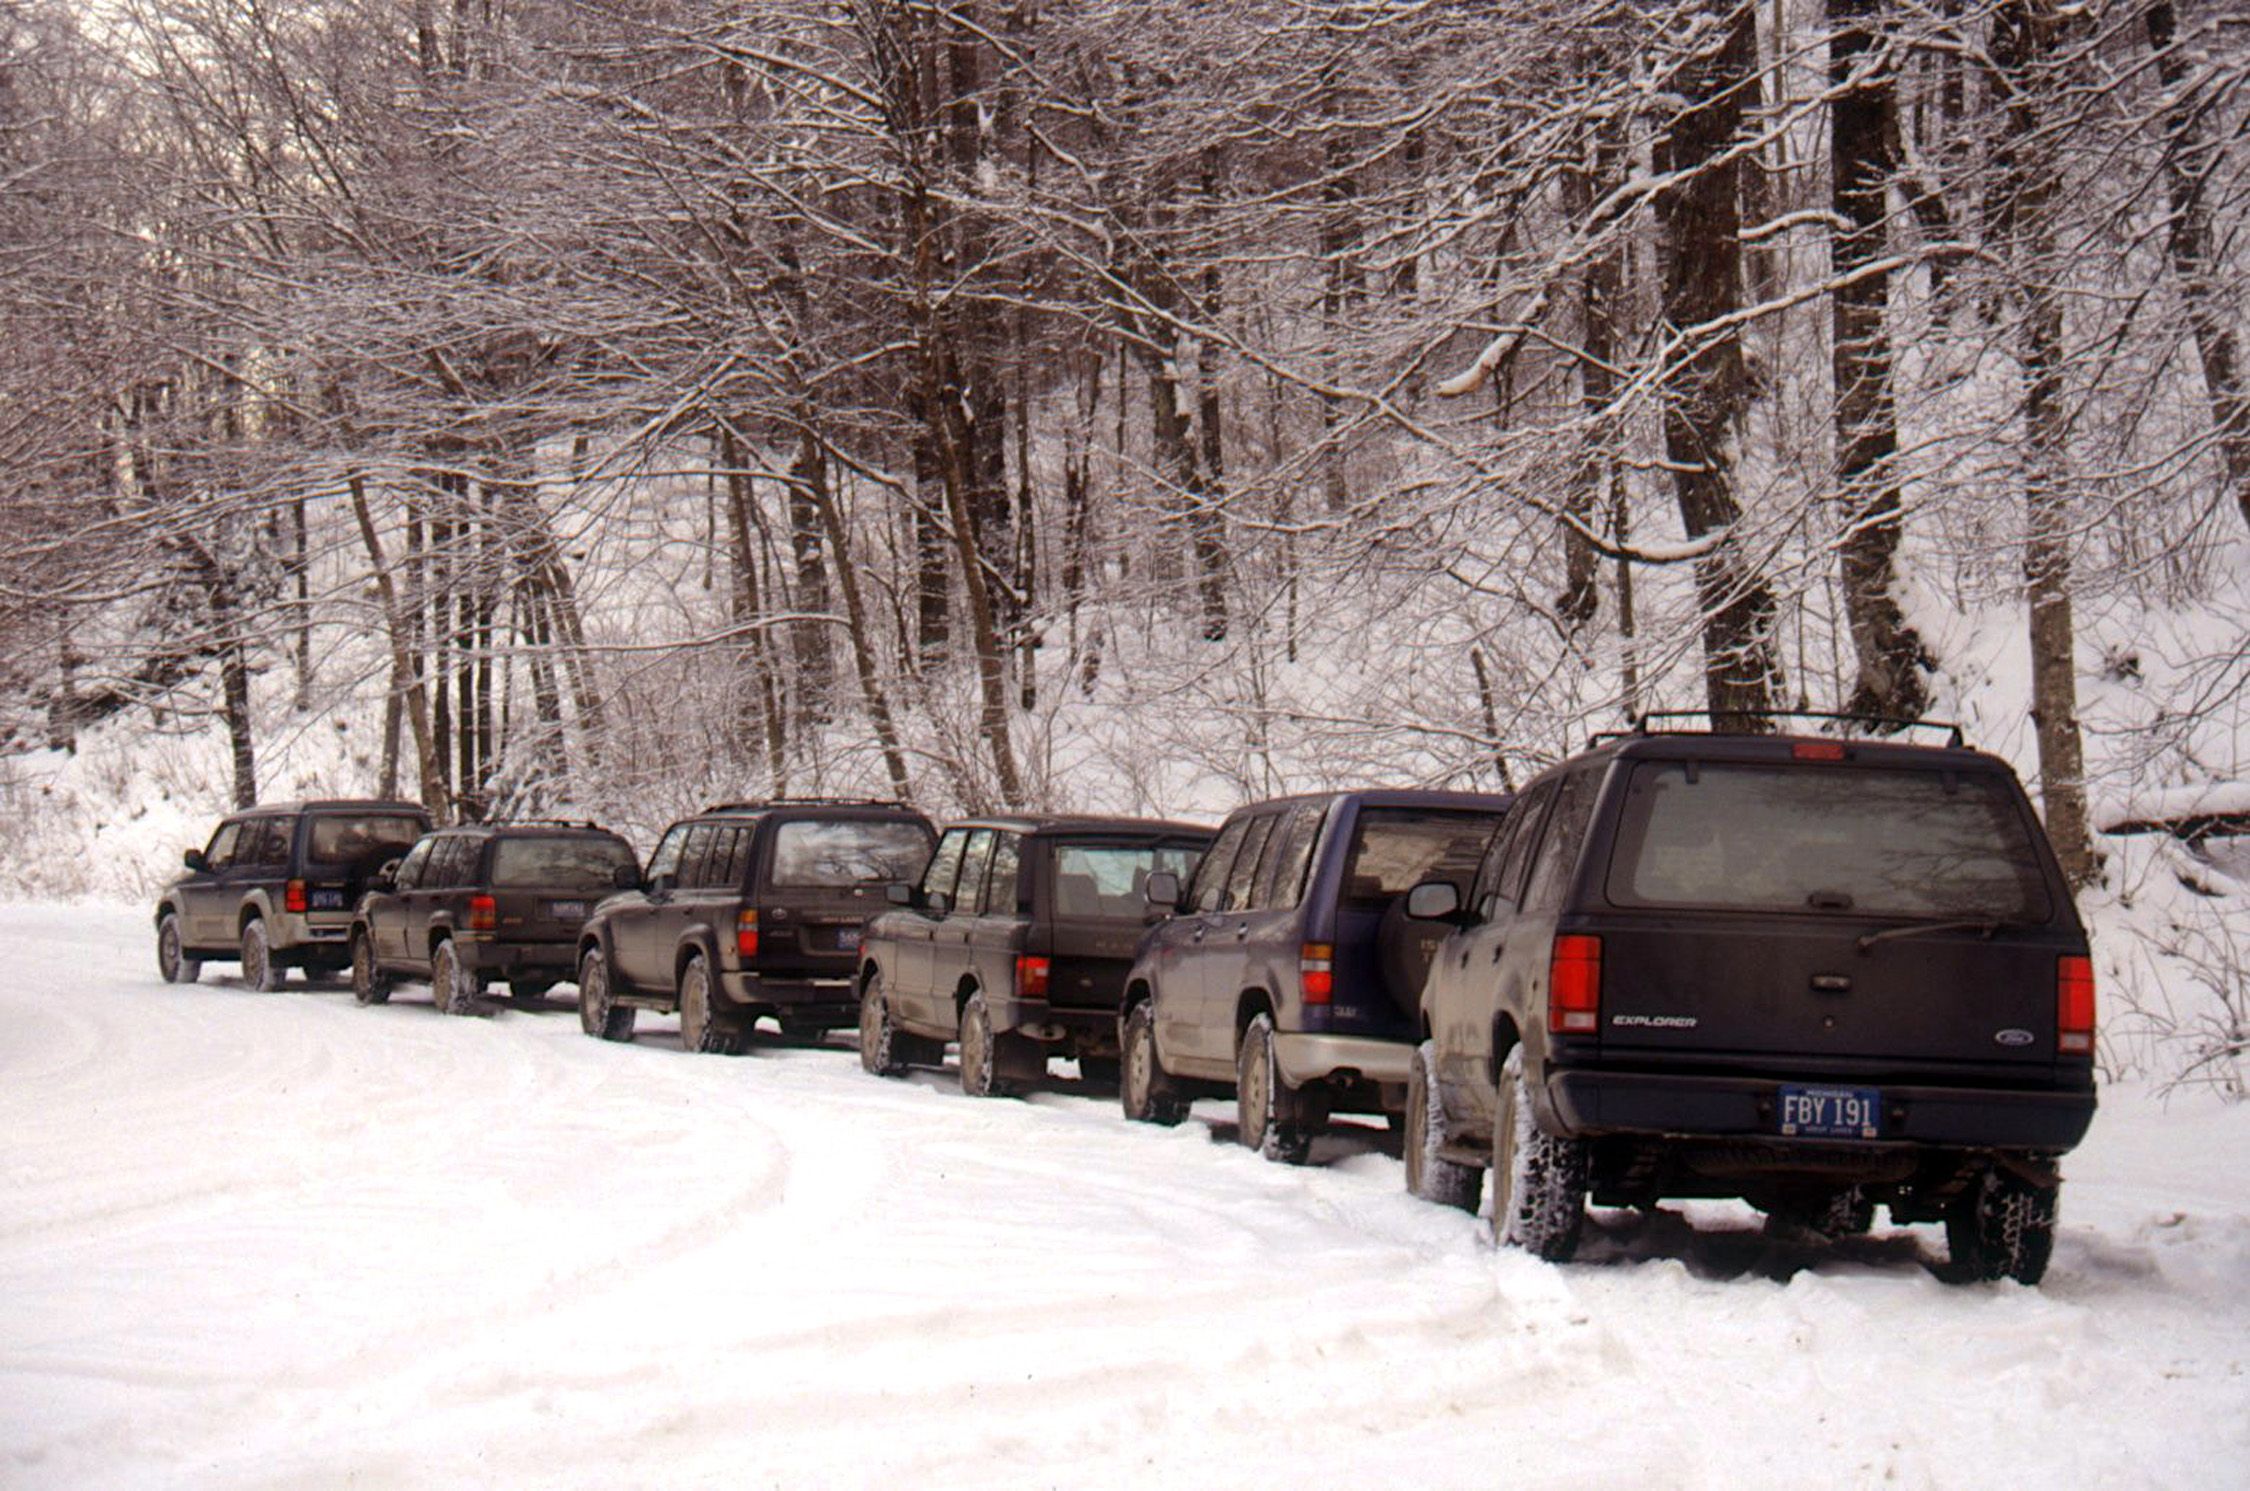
(1316, 972)
(1817, 750)
(1574, 986)
(2074, 1006)
(293, 896)
(746, 933)
(1031, 977)
(484, 913)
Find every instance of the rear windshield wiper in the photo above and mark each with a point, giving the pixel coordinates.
(1985, 925)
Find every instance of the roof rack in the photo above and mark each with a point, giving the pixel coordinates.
(545, 823)
(1640, 725)
(806, 802)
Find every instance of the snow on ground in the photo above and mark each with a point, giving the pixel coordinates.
(282, 1241)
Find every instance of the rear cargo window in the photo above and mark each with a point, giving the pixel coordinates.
(351, 841)
(1396, 849)
(576, 864)
(1109, 880)
(1768, 838)
(841, 852)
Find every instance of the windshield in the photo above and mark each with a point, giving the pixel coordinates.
(1110, 880)
(587, 863)
(1396, 849)
(1866, 842)
(351, 841)
(839, 852)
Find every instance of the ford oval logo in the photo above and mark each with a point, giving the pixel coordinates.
(2014, 1037)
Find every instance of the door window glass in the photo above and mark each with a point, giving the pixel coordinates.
(974, 862)
(1523, 836)
(1211, 875)
(1283, 884)
(945, 865)
(265, 842)
(725, 867)
(1001, 892)
(665, 860)
(693, 854)
(1243, 874)
(1551, 869)
(224, 843)
(410, 868)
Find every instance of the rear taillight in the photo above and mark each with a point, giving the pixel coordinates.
(484, 913)
(2074, 1006)
(1817, 750)
(1574, 986)
(293, 896)
(1316, 972)
(1031, 977)
(746, 933)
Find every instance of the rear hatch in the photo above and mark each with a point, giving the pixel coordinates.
(1852, 919)
(1096, 911)
(1381, 956)
(821, 879)
(543, 885)
(342, 852)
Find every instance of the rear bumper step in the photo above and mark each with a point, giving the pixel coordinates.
(1314, 1058)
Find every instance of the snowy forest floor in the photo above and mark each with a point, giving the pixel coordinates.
(282, 1241)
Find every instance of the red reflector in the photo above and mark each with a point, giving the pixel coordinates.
(2074, 1006)
(484, 913)
(293, 896)
(1316, 972)
(746, 933)
(1817, 750)
(1574, 986)
(1031, 977)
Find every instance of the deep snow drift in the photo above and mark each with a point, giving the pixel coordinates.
(282, 1241)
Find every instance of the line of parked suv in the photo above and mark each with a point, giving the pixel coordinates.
(1812, 972)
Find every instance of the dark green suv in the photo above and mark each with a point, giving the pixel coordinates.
(482, 902)
(276, 885)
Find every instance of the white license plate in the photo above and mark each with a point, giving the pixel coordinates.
(567, 910)
(1831, 1112)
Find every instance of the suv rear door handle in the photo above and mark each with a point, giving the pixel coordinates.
(1497, 949)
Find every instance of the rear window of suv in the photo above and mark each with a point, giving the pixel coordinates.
(576, 864)
(1396, 849)
(839, 852)
(1867, 841)
(351, 841)
(1111, 879)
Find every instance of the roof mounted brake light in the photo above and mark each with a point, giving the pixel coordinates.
(1818, 750)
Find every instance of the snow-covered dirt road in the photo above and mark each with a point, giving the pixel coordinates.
(282, 1241)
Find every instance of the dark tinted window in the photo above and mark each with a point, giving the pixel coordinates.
(1395, 849)
(1211, 875)
(1111, 880)
(224, 843)
(694, 853)
(575, 863)
(410, 868)
(1557, 857)
(1524, 823)
(975, 860)
(1776, 838)
(729, 852)
(358, 840)
(1283, 884)
(1000, 888)
(665, 860)
(456, 862)
(265, 841)
(848, 851)
(1243, 873)
(945, 865)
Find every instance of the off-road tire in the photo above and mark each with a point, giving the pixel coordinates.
(370, 984)
(1538, 1179)
(703, 1027)
(259, 970)
(598, 1014)
(1272, 1118)
(453, 989)
(172, 960)
(1429, 1174)
(881, 1051)
(1148, 1092)
(980, 1052)
(2002, 1227)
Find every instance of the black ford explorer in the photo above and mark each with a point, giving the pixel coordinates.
(1814, 973)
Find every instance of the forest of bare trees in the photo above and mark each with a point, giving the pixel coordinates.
(586, 395)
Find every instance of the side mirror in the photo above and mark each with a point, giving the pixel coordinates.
(938, 902)
(1163, 891)
(626, 877)
(1434, 901)
(899, 893)
(195, 861)
(386, 878)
